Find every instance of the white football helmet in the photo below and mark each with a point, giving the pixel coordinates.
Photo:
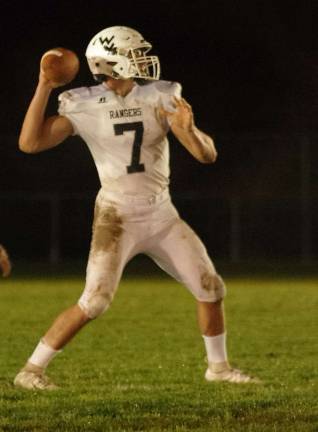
(121, 53)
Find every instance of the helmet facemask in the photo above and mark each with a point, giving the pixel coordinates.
(147, 66)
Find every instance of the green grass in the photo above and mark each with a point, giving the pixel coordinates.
(140, 367)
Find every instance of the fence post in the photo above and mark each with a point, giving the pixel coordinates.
(55, 211)
(306, 228)
(235, 230)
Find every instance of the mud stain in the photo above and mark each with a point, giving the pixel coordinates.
(107, 229)
(99, 303)
(208, 281)
(213, 282)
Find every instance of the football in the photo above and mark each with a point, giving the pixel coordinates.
(60, 65)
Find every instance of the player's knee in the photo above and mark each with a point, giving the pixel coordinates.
(212, 287)
(96, 305)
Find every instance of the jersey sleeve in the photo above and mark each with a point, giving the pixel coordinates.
(170, 90)
(69, 107)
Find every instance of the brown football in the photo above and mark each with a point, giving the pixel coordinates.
(60, 65)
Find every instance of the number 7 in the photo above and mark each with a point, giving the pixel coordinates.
(138, 128)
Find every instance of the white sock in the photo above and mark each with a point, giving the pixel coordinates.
(216, 348)
(42, 355)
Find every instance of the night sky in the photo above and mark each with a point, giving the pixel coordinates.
(244, 66)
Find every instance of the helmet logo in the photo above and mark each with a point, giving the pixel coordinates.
(106, 43)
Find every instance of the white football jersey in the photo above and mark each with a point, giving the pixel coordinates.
(125, 135)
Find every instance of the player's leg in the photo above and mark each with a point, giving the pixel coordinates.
(180, 252)
(109, 252)
(65, 327)
(211, 317)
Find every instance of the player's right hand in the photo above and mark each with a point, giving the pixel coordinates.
(46, 82)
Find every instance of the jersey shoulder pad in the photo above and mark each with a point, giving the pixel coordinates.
(159, 93)
(171, 88)
(76, 100)
(167, 91)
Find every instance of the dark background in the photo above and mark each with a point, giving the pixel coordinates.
(249, 69)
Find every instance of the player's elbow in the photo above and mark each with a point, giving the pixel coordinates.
(28, 146)
(209, 157)
(209, 153)
(214, 156)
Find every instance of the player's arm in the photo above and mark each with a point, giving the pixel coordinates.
(199, 144)
(39, 133)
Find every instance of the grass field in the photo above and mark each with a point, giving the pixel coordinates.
(140, 367)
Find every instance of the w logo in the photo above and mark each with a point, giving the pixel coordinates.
(107, 43)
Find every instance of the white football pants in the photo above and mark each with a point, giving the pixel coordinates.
(125, 226)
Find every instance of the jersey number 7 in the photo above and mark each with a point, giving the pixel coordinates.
(138, 128)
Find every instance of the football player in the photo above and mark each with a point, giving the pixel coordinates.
(124, 120)
(5, 264)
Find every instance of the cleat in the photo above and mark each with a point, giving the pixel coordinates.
(230, 375)
(33, 381)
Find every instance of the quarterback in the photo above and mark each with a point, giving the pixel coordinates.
(124, 120)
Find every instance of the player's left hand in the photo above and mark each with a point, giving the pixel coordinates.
(5, 264)
(182, 117)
